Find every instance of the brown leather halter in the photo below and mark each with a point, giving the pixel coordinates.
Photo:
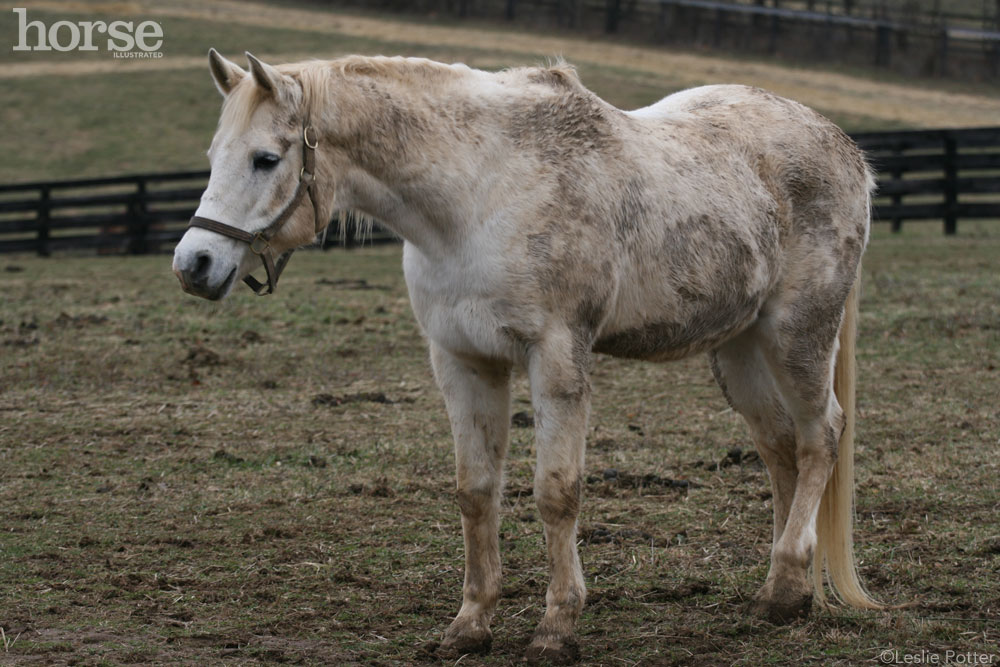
(260, 241)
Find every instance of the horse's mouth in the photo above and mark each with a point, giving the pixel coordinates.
(208, 292)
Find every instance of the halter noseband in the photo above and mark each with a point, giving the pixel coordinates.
(260, 241)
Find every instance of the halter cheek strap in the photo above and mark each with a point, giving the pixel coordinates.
(260, 241)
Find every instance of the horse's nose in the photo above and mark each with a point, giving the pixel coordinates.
(194, 273)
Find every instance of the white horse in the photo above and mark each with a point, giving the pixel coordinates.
(542, 224)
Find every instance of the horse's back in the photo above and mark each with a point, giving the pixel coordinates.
(760, 195)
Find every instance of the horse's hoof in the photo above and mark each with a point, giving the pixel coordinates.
(464, 636)
(781, 605)
(552, 649)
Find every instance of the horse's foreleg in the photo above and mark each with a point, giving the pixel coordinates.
(478, 401)
(560, 387)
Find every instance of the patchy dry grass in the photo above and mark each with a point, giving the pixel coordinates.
(271, 479)
(98, 116)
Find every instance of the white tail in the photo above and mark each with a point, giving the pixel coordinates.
(835, 521)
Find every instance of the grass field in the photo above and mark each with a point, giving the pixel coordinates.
(78, 114)
(270, 480)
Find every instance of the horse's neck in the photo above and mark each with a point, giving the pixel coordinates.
(416, 167)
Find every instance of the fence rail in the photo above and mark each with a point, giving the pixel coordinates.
(139, 214)
(942, 175)
(935, 174)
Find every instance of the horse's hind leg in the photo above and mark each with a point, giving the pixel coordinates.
(746, 379)
(478, 401)
(748, 384)
(779, 375)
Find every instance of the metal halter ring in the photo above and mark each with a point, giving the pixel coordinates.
(305, 137)
(259, 249)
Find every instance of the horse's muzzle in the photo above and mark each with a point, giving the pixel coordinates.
(195, 274)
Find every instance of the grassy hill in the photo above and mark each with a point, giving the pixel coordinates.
(79, 114)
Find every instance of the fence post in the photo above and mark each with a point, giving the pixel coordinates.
(509, 15)
(772, 40)
(943, 52)
(950, 184)
(43, 222)
(614, 9)
(883, 45)
(717, 30)
(897, 199)
(666, 20)
(137, 224)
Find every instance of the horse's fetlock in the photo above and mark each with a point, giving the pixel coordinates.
(793, 562)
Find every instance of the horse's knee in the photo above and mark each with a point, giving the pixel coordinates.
(557, 495)
(475, 502)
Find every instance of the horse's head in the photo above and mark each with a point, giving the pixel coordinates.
(260, 201)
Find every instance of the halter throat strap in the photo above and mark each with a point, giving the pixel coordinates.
(260, 241)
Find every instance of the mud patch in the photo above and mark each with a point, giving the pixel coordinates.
(360, 397)
(522, 419)
(201, 356)
(600, 535)
(351, 284)
(612, 478)
(677, 592)
(734, 457)
(78, 321)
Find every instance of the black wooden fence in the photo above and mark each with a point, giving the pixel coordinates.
(144, 213)
(125, 214)
(943, 175)
(935, 174)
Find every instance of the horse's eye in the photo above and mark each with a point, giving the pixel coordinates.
(263, 161)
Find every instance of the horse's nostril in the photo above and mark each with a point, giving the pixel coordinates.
(201, 265)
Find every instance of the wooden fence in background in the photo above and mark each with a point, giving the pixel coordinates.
(138, 214)
(904, 37)
(944, 175)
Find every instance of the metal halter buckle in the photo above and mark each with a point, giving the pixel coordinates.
(259, 244)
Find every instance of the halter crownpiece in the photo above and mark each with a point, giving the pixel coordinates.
(260, 241)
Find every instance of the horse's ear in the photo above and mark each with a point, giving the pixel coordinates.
(226, 73)
(267, 77)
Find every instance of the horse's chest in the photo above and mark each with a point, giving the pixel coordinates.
(455, 305)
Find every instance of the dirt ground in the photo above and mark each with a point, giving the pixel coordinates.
(270, 480)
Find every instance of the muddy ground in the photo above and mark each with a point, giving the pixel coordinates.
(270, 480)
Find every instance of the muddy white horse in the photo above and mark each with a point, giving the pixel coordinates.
(542, 225)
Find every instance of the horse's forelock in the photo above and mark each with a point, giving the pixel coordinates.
(246, 97)
(240, 104)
